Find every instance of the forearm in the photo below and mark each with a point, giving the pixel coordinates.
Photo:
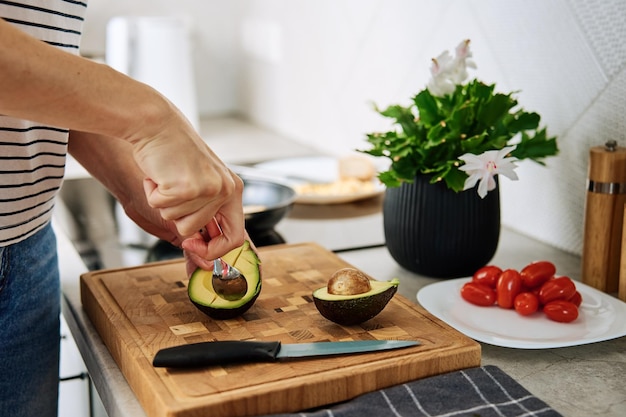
(44, 84)
(110, 162)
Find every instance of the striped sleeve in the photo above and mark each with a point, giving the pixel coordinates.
(56, 22)
(32, 156)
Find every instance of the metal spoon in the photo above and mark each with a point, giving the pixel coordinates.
(228, 282)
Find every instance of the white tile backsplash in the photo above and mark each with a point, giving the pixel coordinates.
(335, 58)
(602, 22)
(554, 52)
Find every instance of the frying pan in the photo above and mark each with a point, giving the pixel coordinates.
(266, 202)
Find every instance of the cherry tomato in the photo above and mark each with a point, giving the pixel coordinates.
(576, 299)
(537, 273)
(487, 275)
(526, 303)
(562, 288)
(561, 311)
(509, 285)
(478, 294)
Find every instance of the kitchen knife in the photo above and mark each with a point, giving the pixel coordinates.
(234, 351)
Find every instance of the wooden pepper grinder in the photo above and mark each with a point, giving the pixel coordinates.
(604, 217)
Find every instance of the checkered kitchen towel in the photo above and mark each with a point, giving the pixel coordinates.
(485, 391)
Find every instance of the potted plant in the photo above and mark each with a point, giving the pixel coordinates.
(454, 136)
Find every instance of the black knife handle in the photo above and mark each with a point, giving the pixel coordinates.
(216, 353)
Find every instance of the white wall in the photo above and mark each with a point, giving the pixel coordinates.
(216, 51)
(311, 68)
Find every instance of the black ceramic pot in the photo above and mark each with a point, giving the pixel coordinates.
(434, 231)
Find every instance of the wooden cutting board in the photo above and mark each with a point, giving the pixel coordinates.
(138, 311)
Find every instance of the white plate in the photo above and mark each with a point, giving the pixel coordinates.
(601, 317)
(316, 169)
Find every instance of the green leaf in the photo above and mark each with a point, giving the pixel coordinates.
(473, 144)
(389, 179)
(523, 121)
(427, 108)
(536, 148)
(405, 169)
(435, 135)
(462, 118)
(495, 109)
(455, 179)
(403, 117)
(480, 91)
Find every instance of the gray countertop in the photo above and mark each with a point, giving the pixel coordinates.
(577, 381)
(580, 381)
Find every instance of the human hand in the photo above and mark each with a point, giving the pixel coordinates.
(196, 246)
(190, 186)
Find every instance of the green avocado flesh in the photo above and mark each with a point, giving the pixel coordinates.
(357, 308)
(202, 294)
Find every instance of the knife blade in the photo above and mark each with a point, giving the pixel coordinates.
(234, 351)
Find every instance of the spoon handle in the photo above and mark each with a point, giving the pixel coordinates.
(220, 268)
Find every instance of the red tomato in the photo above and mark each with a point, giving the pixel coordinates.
(478, 294)
(562, 288)
(526, 303)
(577, 299)
(509, 285)
(561, 311)
(487, 275)
(537, 273)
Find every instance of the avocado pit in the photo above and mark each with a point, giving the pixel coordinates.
(230, 289)
(348, 281)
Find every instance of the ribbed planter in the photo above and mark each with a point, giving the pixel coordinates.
(433, 231)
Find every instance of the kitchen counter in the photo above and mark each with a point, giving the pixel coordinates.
(576, 381)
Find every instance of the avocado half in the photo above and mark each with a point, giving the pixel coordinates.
(203, 295)
(354, 309)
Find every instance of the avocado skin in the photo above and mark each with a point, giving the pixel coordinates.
(226, 313)
(234, 308)
(355, 310)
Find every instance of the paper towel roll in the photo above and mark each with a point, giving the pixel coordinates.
(155, 50)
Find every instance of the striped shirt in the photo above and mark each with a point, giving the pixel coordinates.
(32, 156)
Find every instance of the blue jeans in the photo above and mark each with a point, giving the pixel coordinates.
(29, 327)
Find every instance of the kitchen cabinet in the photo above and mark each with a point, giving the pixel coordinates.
(77, 395)
(74, 381)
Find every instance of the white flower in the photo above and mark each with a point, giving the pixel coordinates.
(483, 168)
(447, 72)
